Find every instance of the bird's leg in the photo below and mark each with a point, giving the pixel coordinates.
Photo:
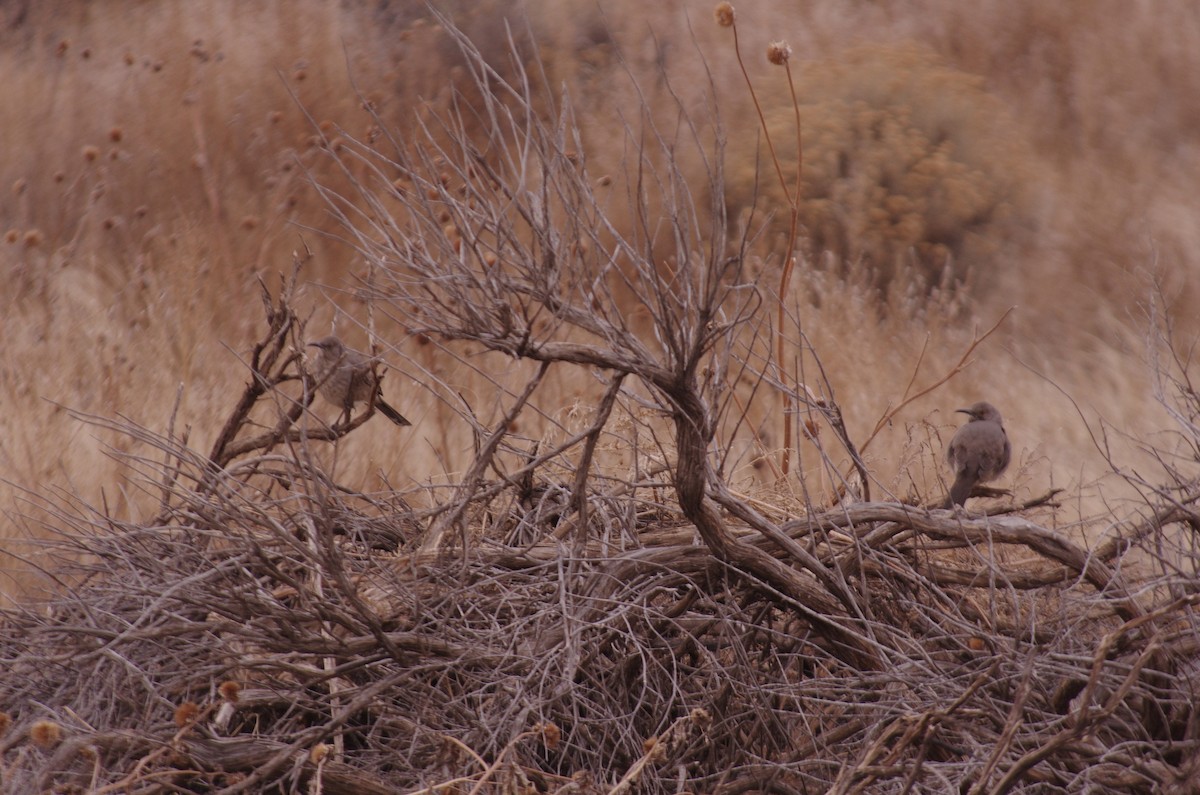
(347, 411)
(373, 394)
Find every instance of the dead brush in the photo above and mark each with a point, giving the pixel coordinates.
(654, 627)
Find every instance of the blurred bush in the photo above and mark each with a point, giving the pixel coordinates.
(910, 166)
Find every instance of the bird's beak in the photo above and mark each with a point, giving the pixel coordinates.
(964, 411)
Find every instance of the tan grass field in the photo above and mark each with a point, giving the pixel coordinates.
(154, 167)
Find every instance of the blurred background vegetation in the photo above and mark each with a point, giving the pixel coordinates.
(958, 161)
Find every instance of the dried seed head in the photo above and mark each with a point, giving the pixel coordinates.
(45, 734)
(723, 13)
(12, 236)
(551, 735)
(90, 153)
(33, 238)
(778, 52)
(5, 722)
(318, 753)
(185, 713)
(115, 134)
(229, 690)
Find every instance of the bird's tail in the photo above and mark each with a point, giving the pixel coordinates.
(391, 413)
(960, 491)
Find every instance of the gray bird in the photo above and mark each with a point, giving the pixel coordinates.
(345, 376)
(979, 451)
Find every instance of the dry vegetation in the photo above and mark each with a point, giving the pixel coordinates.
(660, 522)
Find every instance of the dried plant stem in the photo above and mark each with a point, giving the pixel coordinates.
(792, 196)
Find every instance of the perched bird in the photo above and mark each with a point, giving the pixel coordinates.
(979, 451)
(345, 376)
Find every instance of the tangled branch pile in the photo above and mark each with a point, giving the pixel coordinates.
(605, 612)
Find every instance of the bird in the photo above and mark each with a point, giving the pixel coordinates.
(979, 451)
(345, 376)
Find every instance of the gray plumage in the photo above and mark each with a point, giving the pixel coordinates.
(345, 376)
(979, 451)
